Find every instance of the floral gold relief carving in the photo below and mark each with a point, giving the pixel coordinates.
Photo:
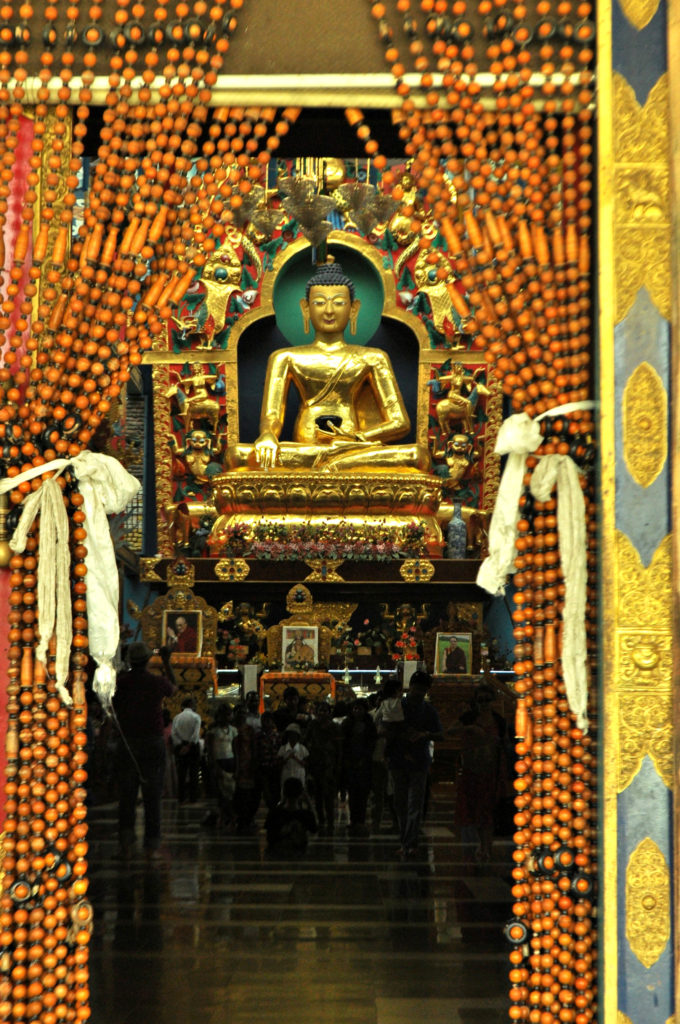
(641, 191)
(645, 729)
(633, 144)
(644, 661)
(639, 12)
(645, 424)
(648, 902)
(644, 595)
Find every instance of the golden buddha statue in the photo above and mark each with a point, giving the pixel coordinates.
(344, 468)
(351, 409)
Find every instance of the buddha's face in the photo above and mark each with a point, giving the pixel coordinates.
(329, 308)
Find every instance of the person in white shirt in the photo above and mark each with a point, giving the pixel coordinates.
(186, 734)
(253, 710)
(293, 755)
(221, 762)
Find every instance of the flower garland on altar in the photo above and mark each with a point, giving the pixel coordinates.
(282, 542)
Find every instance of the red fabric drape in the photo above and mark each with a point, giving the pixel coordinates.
(9, 236)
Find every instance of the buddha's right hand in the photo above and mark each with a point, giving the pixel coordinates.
(267, 450)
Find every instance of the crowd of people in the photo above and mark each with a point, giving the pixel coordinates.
(301, 761)
(373, 755)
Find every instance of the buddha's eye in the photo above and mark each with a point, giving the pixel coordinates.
(339, 303)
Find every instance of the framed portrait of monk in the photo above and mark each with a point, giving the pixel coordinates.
(453, 654)
(299, 647)
(182, 631)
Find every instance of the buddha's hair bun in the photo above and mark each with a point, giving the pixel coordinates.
(330, 273)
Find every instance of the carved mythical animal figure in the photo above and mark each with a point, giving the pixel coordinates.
(457, 406)
(195, 400)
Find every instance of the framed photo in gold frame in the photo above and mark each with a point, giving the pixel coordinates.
(182, 631)
(299, 646)
(453, 654)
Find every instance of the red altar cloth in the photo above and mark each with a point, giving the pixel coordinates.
(192, 671)
(310, 684)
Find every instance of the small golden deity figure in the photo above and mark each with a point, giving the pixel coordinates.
(351, 410)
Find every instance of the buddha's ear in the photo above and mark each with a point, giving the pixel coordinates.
(353, 316)
(304, 306)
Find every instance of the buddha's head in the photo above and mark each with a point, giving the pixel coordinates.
(330, 302)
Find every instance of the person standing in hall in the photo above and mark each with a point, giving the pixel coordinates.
(247, 774)
(220, 747)
(322, 739)
(410, 758)
(287, 711)
(186, 735)
(140, 755)
(268, 743)
(358, 742)
(388, 718)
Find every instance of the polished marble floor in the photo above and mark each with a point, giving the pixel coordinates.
(219, 933)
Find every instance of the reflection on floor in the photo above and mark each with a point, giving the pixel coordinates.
(219, 933)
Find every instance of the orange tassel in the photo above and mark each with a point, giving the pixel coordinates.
(95, 242)
(506, 237)
(521, 719)
(155, 290)
(180, 289)
(21, 244)
(109, 248)
(550, 644)
(40, 247)
(164, 296)
(57, 314)
(26, 672)
(538, 646)
(60, 247)
(130, 232)
(156, 229)
(457, 301)
(452, 237)
(571, 244)
(558, 248)
(492, 228)
(39, 672)
(12, 743)
(525, 245)
(584, 255)
(474, 234)
(541, 246)
(139, 238)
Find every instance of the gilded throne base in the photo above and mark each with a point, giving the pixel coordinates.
(373, 501)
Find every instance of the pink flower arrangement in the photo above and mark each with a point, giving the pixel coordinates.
(281, 542)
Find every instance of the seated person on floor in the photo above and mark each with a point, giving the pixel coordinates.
(289, 824)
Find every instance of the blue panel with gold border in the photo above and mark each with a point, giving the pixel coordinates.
(644, 843)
